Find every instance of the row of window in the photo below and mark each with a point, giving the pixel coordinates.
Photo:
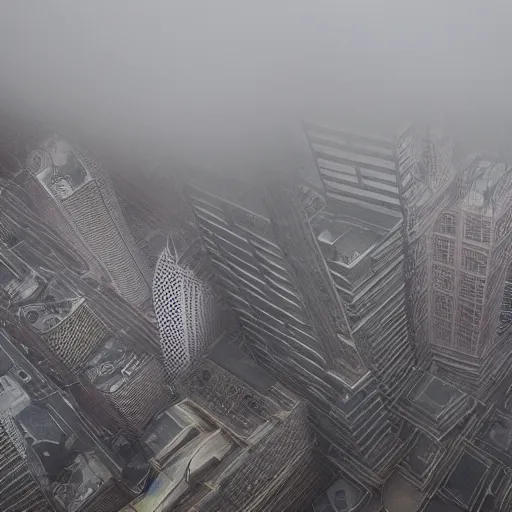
(476, 227)
(444, 252)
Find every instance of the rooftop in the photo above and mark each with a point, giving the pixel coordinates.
(433, 395)
(478, 199)
(344, 238)
(110, 367)
(341, 496)
(44, 317)
(236, 361)
(465, 478)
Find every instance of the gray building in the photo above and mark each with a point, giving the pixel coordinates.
(77, 198)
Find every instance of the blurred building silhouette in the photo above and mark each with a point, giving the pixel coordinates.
(50, 459)
(380, 255)
(458, 243)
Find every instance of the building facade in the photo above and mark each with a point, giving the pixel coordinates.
(187, 310)
(50, 459)
(106, 375)
(457, 247)
(238, 441)
(263, 244)
(77, 197)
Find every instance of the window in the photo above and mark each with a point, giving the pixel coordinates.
(446, 224)
(466, 338)
(468, 320)
(443, 278)
(472, 287)
(477, 228)
(474, 261)
(444, 250)
(443, 305)
(442, 332)
(468, 315)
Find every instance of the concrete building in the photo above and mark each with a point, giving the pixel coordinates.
(263, 240)
(77, 199)
(50, 459)
(106, 374)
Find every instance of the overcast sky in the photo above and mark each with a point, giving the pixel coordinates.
(217, 80)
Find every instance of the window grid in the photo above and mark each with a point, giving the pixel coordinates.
(443, 278)
(443, 305)
(186, 314)
(444, 250)
(474, 261)
(472, 287)
(477, 228)
(446, 224)
(442, 332)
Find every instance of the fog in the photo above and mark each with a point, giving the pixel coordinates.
(223, 83)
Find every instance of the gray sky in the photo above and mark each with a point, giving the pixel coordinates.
(215, 81)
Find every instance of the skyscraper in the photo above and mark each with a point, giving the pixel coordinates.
(78, 200)
(186, 308)
(361, 256)
(262, 242)
(457, 244)
(50, 459)
(239, 441)
(360, 233)
(330, 344)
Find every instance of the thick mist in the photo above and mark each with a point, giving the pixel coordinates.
(223, 84)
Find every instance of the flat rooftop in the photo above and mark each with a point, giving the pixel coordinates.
(234, 360)
(433, 395)
(345, 239)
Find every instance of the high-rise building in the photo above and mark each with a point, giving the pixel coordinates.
(360, 233)
(187, 310)
(458, 245)
(368, 245)
(38, 248)
(77, 199)
(106, 375)
(332, 342)
(50, 459)
(239, 441)
(263, 242)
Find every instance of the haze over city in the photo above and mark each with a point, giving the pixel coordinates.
(201, 79)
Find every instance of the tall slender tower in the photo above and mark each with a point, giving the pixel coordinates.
(77, 199)
(469, 281)
(360, 233)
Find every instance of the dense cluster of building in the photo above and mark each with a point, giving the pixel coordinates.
(265, 343)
